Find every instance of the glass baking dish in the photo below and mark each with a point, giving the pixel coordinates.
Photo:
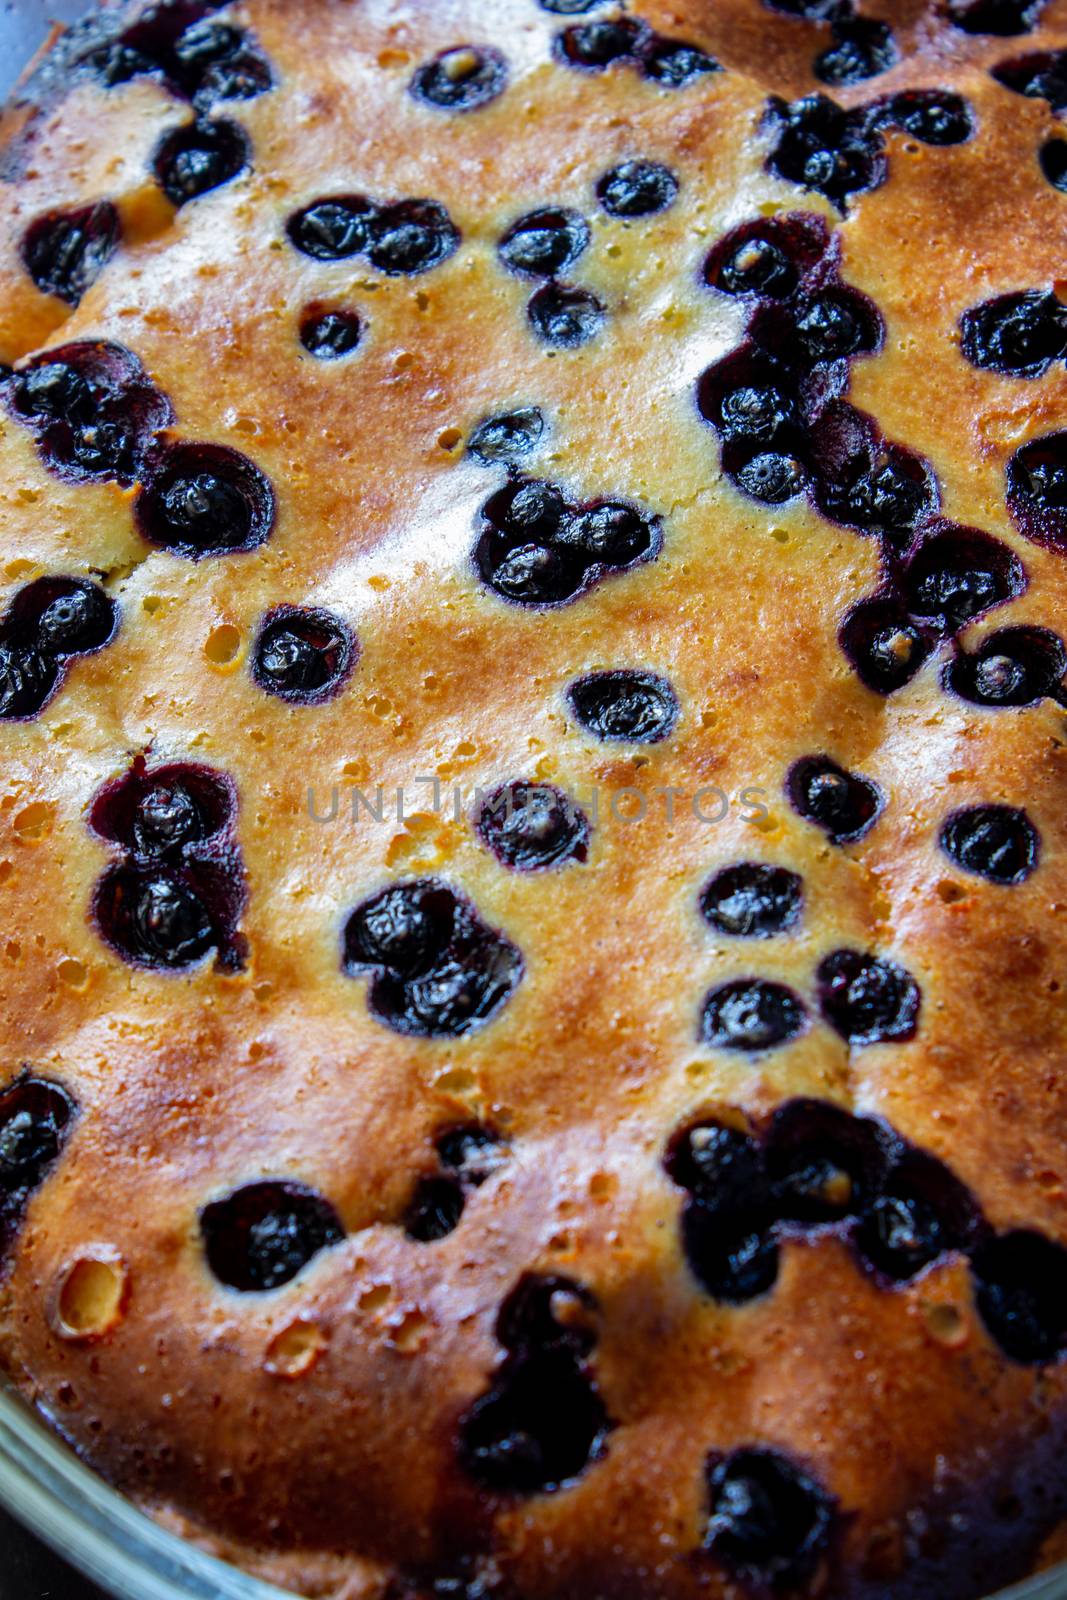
(42, 1482)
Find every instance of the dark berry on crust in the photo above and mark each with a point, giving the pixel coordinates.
(153, 919)
(544, 243)
(158, 813)
(673, 63)
(1001, 17)
(1052, 159)
(1020, 1290)
(303, 654)
(866, 999)
(36, 1116)
(933, 116)
(530, 827)
(1042, 75)
(998, 843)
(47, 622)
(197, 157)
(954, 574)
(542, 1421)
(434, 1210)
(334, 227)
(27, 680)
(538, 548)
(508, 437)
(862, 481)
(1018, 334)
(771, 477)
(733, 1260)
(823, 1165)
(564, 316)
(437, 969)
(752, 900)
(844, 804)
(883, 643)
(461, 79)
(751, 1014)
(1037, 491)
(766, 257)
(637, 189)
(65, 252)
(594, 46)
(260, 1236)
(1012, 667)
(410, 237)
(567, 8)
(920, 1213)
(721, 1166)
(627, 707)
(821, 146)
(862, 48)
(203, 500)
(836, 323)
(92, 409)
(471, 1152)
(331, 333)
(770, 1523)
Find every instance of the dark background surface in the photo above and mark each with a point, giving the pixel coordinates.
(27, 1570)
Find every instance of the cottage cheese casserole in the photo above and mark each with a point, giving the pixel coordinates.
(534, 774)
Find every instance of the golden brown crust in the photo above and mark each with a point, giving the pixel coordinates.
(338, 1478)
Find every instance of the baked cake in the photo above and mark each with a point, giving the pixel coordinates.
(533, 847)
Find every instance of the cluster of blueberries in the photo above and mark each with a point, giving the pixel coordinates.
(777, 403)
(437, 970)
(815, 1165)
(47, 623)
(178, 888)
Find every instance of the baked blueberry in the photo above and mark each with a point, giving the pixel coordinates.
(65, 252)
(470, 1152)
(544, 243)
(752, 900)
(534, 574)
(882, 490)
(919, 1213)
(769, 1522)
(1019, 334)
(844, 804)
(567, 8)
(1052, 158)
(866, 999)
(536, 1428)
(721, 1166)
(862, 48)
(548, 1313)
(1012, 667)
(565, 317)
(239, 76)
(1001, 17)
(303, 654)
(772, 476)
(957, 573)
(1020, 1290)
(732, 1258)
(821, 146)
(404, 928)
(1041, 75)
(205, 42)
(116, 63)
(835, 324)
(203, 500)
(434, 1210)
(933, 116)
(508, 437)
(36, 1117)
(612, 534)
(462, 78)
(751, 1014)
(823, 1165)
(27, 679)
(167, 818)
(329, 334)
(263, 1234)
(333, 228)
(72, 615)
(883, 644)
(750, 260)
(158, 814)
(624, 706)
(214, 61)
(1037, 490)
(153, 919)
(532, 826)
(637, 189)
(756, 414)
(199, 156)
(530, 509)
(460, 993)
(998, 843)
(410, 237)
(596, 45)
(54, 389)
(674, 63)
